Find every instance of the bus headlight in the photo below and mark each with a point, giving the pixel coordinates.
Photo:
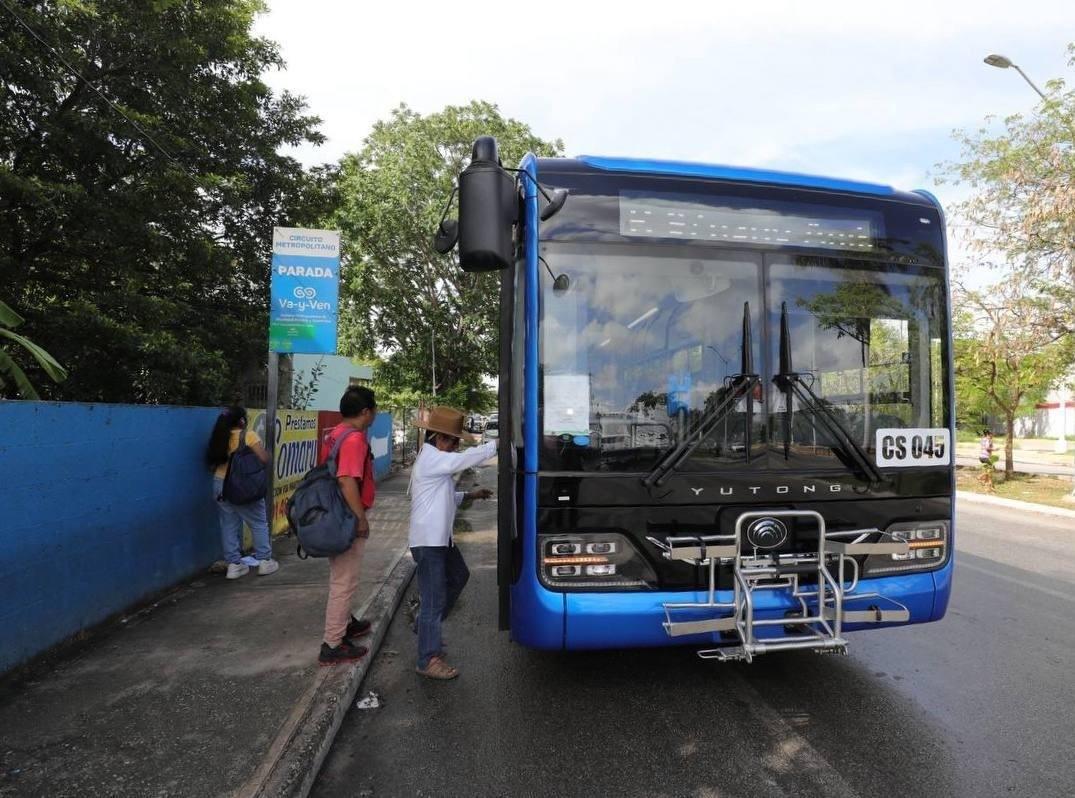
(927, 547)
(599, 560)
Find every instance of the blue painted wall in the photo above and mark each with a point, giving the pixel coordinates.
(103, 505)
(380, 437)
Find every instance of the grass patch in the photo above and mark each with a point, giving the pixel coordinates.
(1036, 488)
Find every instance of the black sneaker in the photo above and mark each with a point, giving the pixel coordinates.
(357, 628)
(344, 652)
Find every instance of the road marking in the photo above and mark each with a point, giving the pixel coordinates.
(1021, 582)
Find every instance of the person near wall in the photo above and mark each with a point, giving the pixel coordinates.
(229, 430)
(354, 473)
(442, 571)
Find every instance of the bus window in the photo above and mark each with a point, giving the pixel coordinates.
(638, 348)
(867, 337)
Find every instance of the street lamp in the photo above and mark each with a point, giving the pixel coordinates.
(723, 360)
(727, 368)
(1003, 62)
(433, 353)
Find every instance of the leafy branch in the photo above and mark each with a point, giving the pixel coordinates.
(12, 377)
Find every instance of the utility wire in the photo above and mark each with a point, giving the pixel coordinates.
(101, 94)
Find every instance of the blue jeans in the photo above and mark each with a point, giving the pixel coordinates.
(442, 575)
(231, 526)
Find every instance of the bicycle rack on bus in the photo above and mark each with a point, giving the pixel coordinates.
(822, 609)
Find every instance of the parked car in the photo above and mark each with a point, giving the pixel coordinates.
(492, 428)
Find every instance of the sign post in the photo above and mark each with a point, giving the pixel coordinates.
(272, 385)
(304, 305)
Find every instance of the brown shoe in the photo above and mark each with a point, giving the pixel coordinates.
(437, 668)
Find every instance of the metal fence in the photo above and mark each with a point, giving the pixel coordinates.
(405, 437)
(403, 454)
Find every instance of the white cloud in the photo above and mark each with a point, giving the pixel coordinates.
(851, 89)
(706, 81)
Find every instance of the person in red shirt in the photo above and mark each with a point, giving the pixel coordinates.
(354, 472)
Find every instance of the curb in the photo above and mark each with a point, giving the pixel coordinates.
(294, 759)
(1014, 504)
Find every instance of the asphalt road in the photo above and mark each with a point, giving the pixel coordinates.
(979, 704)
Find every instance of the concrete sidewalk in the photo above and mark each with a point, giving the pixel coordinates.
(1023, 466)
(213, 690)
(1028, 457)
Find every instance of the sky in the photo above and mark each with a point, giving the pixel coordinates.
(860, 90)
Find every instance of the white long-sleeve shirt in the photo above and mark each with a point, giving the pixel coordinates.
(434, 498)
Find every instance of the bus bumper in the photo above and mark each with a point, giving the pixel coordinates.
(635, 619)
(544, 619)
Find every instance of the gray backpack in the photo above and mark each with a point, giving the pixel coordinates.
(317, 512)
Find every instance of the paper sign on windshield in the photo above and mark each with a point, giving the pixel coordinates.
(904, 447)
(567, 404)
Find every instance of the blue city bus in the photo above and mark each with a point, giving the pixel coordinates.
(725, 403)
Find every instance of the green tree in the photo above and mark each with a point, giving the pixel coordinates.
(402, 300)
(974, 408)
(304, 390)
(1006, 358)
(137, 201)
(1021, 214)
(13, 379)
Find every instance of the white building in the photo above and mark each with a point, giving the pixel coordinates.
(1051, 418)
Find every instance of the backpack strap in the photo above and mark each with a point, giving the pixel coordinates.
(242, 444)
(233, 452)
(333, 456)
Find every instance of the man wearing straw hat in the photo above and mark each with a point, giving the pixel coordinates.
(442, 572)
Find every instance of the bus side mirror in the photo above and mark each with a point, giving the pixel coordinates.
(488, 203)
(556, 202)
(446, 237)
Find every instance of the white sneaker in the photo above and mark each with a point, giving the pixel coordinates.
(266, 567)
(237, 569)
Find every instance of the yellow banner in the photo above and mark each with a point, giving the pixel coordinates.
(294, 453)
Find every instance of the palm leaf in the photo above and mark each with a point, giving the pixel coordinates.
(56, 372)
(10, 370)
(9, 318)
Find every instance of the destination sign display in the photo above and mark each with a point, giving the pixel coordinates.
(688, 217)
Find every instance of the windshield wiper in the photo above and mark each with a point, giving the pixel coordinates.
(795, 387)
(736, 387)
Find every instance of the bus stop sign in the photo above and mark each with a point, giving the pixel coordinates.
(305, 291)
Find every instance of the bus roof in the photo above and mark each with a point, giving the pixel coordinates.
(732, 173)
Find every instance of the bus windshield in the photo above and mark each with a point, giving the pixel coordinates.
(648, 340)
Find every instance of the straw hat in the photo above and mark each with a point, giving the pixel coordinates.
(446, 420)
